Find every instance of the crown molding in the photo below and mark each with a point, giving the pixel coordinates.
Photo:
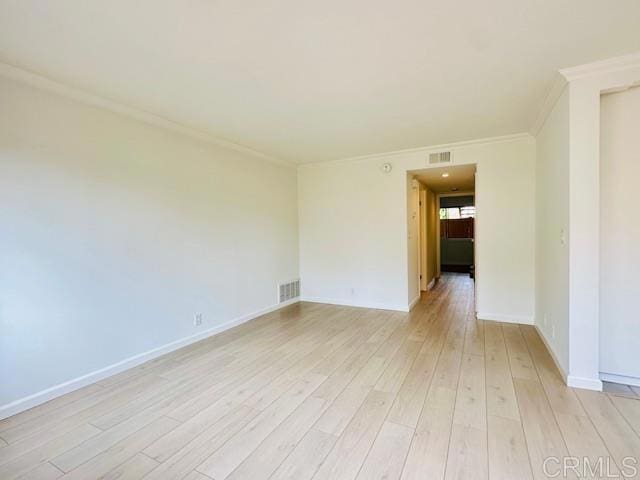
(428, 149)
(565, 76)
(601, 67)
(39, 81)
(558, 86)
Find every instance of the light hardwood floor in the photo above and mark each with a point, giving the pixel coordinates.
(324, 392)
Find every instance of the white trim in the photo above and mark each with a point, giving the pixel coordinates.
(600, 67)
(351, 303)
(558, 86)
(551, 352)
(584, 383)
(431, 284)
(44, 83)
(425, 150)
(499, 317)
(43, 396)
(623, 379)
(414, 302)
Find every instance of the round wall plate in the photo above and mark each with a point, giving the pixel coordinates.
(386, 167)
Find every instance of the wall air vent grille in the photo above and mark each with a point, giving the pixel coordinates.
(440, 157)
(288, 291)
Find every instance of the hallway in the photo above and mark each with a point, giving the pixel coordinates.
(329, 392)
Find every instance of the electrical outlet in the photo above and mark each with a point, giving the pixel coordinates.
(197, 319)
(353, 292)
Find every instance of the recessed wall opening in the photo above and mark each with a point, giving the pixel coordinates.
(441, 219)
(619, 238)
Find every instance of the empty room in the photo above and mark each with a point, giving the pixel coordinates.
(314, 241)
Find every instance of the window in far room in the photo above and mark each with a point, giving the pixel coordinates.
(453, 213)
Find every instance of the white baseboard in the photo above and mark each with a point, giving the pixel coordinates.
(498, 317)
(584, 383)
(352, 303)
(414, 302)
(570, 380)
(43, 396)
(431, 284)
(552, 353)
(623, 379)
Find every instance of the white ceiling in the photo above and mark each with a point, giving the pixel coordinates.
(461, 177)
(308, 81)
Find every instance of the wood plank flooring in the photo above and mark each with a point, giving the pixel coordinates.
(318, 391)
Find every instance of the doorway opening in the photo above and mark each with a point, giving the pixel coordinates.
(619, 238)
(442, 226)
(457, 233)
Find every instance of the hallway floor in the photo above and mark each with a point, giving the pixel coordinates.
(328, 392)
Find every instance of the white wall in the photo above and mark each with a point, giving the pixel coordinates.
(576, 295)
(353, 235)
(432, 213)
(413, 239)
(424, 257)
(114, 233)
(429, 218)
(505, 209)
(354, 224)
(619, 234)
(552, 220)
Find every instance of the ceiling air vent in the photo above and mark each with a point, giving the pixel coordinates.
(440, 157)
